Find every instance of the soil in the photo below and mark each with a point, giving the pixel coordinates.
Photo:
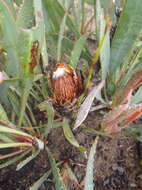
(116, 166)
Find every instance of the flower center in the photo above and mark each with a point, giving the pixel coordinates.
(58, 73)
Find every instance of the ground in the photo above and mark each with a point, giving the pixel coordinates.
(116, 166)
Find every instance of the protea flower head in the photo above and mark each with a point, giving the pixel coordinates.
(66, 84)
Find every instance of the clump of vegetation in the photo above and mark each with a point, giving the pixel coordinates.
(36, 35)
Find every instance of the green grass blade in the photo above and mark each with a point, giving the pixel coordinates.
(61, 33)
(59, 185)
(89, 185)
(27, 85)
(105, 56)
(76, 52)
(5, 139)
(56, 13)
(100, 20)
(11, 7)
(4, 129)
(40, 181)
(13, 160)
(67, 47)
(12, 145)
(25, 15)
(91, 2)
(45, 106)
(14, 99)
(27, 160)
(18, 2)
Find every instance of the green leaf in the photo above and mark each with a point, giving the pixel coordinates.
(100, 20)
(40, 181)
(25, 15)
(56, 13)
(4, 129)
(67, 47)
(45, 106)
(10, 33)
(50, 124)
(89, 185)
(134, 131)
(60, 38)
(12, 145)
(68, 134)
(10, 6)
(59, 185)
(18, 2)
(27, 160)
(5, 139)
(77, 13)
(105, 3)
(3, 115)
(76, 52)
(39, 30)
(15, 159)
(137, 98)
(91, 2)
(105, 56)
(129, 27)
(27, 85)
(25, 42)
(95, 132)
(13, 100)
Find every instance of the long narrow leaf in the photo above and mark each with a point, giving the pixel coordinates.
(89, 185)
(61, 33)
(12, 145)
(39, 30)
(40, 181)
(86, 105)
(59, 185)
(3, 115)
(68, 134)
(25, 15)
(27, 160)
(128, 29)
(4, 129)
(105, 56)
(56, 13)
(76, 52)
(137, 98)
(11, 161)
(9, 29)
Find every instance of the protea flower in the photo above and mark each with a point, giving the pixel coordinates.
(66, 85)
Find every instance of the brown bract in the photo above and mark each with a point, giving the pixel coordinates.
(66, 85)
